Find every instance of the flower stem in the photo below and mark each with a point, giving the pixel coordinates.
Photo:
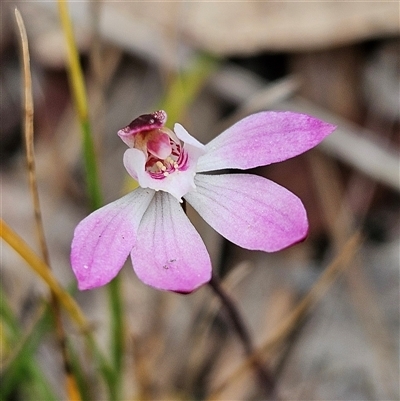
(265, 378)
(79, 96)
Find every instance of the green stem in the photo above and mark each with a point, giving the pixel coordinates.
(78, 89)
(117, 326)
(91, 170)
(93, 187)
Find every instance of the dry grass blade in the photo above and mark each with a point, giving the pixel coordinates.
(70, 382)
(28, 136)
(339, 264)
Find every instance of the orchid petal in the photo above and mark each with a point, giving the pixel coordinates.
(263, 138)
(104, 239)
(169, 253)
(250, 211)
(134, 161)
(186, 138)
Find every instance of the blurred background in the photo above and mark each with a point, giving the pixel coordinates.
(208, 65)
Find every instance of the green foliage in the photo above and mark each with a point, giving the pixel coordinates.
(21, 376)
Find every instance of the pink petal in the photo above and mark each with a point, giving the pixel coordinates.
(250, 211)
(103, 240)
(169, 253)
(263, 138)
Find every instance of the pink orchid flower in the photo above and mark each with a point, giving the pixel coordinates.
(150, 224)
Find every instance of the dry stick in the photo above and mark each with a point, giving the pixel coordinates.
(71, 385)
(283, 331)
(207, 309)
(265, 377)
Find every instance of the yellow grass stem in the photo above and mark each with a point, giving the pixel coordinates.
(79, 97)
(76, 76)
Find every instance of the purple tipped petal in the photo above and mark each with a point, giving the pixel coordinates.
(250, 211)
(104, 239)
(169, 254)
(263, 138)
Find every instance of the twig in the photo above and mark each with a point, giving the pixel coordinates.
(265, 377)
(283, 330)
